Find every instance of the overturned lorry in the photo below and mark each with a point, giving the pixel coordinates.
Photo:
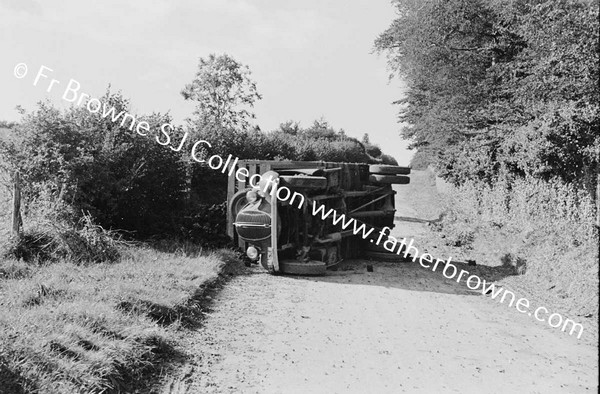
(305, 217)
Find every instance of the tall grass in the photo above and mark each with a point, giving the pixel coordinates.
(68, 328)
(548, 225)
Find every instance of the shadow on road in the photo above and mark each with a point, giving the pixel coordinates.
(411, 276)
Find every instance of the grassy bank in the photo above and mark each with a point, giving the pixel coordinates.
(543, 232)
(68, 328)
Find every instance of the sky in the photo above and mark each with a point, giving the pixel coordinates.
(311, 59)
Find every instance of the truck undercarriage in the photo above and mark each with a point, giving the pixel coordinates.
(309, 216)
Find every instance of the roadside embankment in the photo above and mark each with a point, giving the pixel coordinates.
(539, 238)
(68, 328)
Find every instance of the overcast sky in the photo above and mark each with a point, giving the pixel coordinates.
(310, 58)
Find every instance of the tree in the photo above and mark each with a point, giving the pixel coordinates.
(499, 86)
(290, 127)
(365, 139)
(441, 49)
(223, 91)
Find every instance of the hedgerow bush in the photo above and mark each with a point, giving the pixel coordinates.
(92, 165)
(123, 180)
(207, 225)
(555, 208)
(550, 225)
(318, 142)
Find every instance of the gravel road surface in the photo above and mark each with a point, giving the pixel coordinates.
(398, 329)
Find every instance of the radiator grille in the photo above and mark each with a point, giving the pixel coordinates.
(253, 225)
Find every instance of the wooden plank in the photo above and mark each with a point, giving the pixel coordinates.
(230, 192)
(241, 185)
(296, 164)
(366, 214)
(256, 168)
(345, 181)
(251, 170)
(264, 167)
(355, 176)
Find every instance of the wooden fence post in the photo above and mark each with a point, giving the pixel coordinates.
(598, 198)
(16, 219)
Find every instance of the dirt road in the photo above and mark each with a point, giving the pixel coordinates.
(398, 329)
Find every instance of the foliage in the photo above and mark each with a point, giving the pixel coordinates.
(291, 142)
(549, 225)
(76, 162)
(125, 181)
(499, 87)
(207, 226)
(55, 233)
(4, 124)
(87, 243)
(223, 90)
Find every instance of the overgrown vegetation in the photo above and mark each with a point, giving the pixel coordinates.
(225, 93)
(500, 88)
(86, 163)
(544, 234)
(503, 102)
(97, 328)
(546, 228)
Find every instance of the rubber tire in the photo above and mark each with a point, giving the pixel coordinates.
(386, 256)
(304, 181)
(302, 268)
(389, 179)
(372, 247)
(235, 205)
(388, 170)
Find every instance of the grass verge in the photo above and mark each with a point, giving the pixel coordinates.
(94, 328)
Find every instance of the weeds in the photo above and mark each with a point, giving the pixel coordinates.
(544, 230)
(82, 243)
(54, 232)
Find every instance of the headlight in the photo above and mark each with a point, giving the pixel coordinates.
(251, 196)
(252, 253)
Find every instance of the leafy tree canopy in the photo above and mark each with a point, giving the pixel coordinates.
(499, 87)
(224, 92)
